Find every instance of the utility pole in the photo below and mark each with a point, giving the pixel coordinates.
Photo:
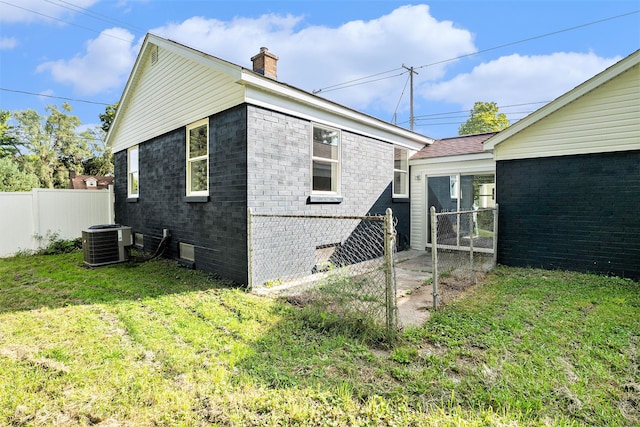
(411, 73)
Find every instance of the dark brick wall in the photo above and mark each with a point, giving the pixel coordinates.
(573, 212)
(216, 228)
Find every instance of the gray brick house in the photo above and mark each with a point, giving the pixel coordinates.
(199, 140)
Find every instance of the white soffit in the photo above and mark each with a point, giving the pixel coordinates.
(280, 97)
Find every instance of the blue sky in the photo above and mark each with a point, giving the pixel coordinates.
(519, 54)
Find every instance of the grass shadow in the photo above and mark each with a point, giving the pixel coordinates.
(32, 282)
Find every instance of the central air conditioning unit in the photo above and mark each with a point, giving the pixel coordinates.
(106, 244)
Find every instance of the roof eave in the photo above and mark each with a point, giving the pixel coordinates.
(486, 155)
(282, 90)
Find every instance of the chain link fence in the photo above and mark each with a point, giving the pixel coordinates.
(463, 245)
(338, 264)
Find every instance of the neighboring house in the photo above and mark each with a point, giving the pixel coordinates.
(444, 174)
(568, 179)
(198, 141)
(89, 182)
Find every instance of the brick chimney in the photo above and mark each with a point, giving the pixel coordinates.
(265, 63)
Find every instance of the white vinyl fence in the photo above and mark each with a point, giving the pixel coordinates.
(24, 216)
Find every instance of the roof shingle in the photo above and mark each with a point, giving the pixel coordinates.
(454, 146)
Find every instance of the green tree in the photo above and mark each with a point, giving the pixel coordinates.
(484, 118)
(51, 144)
(102, 161)
(13, 179)
(108, 116)
(8, 146)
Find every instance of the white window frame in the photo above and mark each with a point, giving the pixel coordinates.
(133, 171)
(454, 187)
(404, 193)
(337, 162)
(189, 161)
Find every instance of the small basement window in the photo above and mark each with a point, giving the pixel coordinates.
(324, 255)
(187, 251)
(138, 240)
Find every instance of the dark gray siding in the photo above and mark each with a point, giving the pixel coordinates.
(216, 228)
(572, 212)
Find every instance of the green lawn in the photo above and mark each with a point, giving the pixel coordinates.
(155, 344)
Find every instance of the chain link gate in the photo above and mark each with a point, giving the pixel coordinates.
(344, 263)
(463, 244)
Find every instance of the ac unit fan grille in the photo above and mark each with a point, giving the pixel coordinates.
(102, 248)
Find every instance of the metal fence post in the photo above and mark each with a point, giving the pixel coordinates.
(495, 235)
(434, 255)
(250, 248)
(389, 276)
(472, 276)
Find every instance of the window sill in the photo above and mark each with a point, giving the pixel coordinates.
(324, 199)
(132, 200)
(196, 199)
(400, 199)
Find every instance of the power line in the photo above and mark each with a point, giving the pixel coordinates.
(467, 116)
(400, 100)
(467, 111)
(65, 22)
(347, 84)
(530, 39)
(52, 96)
(95, 15)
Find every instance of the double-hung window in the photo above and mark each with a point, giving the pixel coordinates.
(198, 158)
(326, 160)
(133, 172)
(400, 172)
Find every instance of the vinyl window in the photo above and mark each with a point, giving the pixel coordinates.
(198, 158)
(325, 160)
(400, 172)
(133, 172)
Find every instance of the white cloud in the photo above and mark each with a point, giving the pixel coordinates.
(516, 79)
(312, 57)
(104, 66)
(7, 43)
(38, 10)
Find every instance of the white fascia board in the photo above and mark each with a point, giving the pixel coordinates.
(575, 93)
(452, 159)
(264, 92)
(466, 166)
(123, 97)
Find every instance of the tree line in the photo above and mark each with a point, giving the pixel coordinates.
(40, 151)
